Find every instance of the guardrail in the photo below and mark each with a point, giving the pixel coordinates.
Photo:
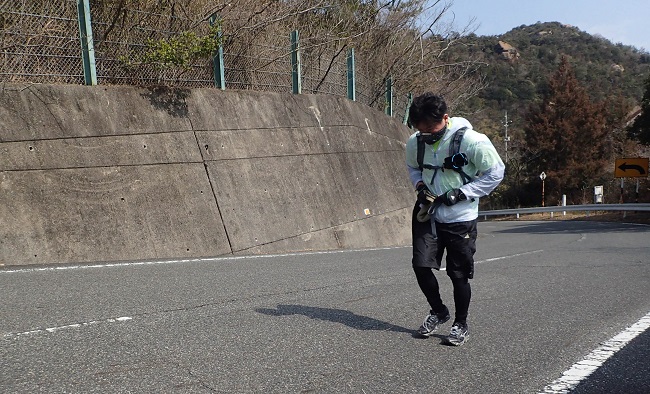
(567, 208)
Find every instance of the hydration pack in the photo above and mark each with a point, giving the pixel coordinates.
(455, 161)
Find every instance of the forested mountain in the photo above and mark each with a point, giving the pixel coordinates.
(519, 63)
(524, 71)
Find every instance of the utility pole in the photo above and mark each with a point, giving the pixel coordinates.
(506, 139)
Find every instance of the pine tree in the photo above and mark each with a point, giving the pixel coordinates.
(640, 129)
(567, 137)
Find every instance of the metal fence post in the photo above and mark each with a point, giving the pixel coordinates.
(87, 45)
(409, 101)
(389, 96)
(295, 63)
(217, 59)
(352, 80)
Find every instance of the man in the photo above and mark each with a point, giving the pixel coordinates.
(445, 215)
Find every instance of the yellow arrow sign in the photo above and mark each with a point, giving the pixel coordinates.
(636, 167)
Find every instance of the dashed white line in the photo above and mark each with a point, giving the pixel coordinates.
(501, 257)
(582, 369)
(66, 327)
(141, 263)
(509, 256)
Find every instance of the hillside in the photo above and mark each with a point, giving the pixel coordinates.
(519, 63)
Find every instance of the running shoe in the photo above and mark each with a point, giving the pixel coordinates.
(459, 334)
(431, 323)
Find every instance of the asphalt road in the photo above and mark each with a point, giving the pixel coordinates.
(545, 294)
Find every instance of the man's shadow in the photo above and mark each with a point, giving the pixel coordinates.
(347, 318)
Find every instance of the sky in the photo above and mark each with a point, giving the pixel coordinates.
(624, 21)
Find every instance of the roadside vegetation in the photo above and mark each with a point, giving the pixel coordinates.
(574, 102)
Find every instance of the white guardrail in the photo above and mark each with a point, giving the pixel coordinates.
(567, 208)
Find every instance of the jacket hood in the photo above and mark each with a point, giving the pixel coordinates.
(456, 123)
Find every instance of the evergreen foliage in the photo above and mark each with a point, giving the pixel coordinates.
(566, 136)
(181, 51)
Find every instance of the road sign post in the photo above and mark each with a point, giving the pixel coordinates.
(631, 167)
(621, 200)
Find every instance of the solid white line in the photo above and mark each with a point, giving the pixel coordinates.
(582, 369)
(195, 260)
(66, 327)
(218, 259)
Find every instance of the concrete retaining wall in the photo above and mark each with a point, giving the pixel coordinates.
(123, 173)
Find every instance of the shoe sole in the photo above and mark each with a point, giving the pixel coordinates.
(457, 343)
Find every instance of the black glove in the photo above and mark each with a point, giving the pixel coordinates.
(453, 196)
(424, 194)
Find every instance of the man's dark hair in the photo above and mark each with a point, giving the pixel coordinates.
(427, 107)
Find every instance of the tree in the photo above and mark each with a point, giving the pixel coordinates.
(406, 40)
(567, 137)
(640, 129)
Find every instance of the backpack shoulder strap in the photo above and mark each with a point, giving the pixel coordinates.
(454, 148)
(454, 145)
(420, 157)
(420, 153)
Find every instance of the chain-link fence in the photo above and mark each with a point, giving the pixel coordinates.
(123, 36)
(253, 66)
(40, 43)
(324, 67)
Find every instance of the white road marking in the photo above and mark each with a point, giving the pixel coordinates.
(217, 259)
(501, 258)
(140, 263)
(509, 256)
(66, 327)
(582, 369)
(196, 260)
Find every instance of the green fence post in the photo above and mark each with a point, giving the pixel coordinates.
(87, 45)
(217, 60)
(389, 96)
(409, 101)
(295, 63)
(352, 80)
